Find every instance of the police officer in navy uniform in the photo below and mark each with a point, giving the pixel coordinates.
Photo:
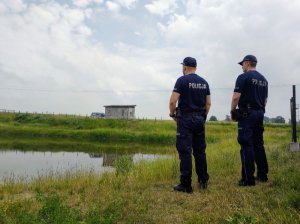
(250, 95)
(193, 96)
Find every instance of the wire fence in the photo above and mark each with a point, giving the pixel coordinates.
(7, 111)
(41, 113)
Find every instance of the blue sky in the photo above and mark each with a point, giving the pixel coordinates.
(77, 56)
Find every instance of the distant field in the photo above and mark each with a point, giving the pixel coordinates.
(143, 193)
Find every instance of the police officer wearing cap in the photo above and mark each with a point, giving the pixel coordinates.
(250, 96)
(192, 94)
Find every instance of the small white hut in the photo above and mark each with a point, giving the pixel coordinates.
(120, 111)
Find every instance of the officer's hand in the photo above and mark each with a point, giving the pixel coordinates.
(231, 115)
(205, 117)
(173, 116)
(234, 114)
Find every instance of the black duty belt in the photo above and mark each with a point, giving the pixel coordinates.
(193, 113)
(249, 108)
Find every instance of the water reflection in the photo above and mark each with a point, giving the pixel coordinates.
(27, 165)
(108, 159)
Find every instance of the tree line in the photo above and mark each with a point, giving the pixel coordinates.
(278, 119)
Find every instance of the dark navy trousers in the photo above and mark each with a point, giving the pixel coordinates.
(190, 138)
(250, 137)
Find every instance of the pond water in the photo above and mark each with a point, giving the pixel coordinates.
(27, 165)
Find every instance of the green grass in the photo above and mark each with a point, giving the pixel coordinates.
(48, 132)
(20, 129)
(143, 193)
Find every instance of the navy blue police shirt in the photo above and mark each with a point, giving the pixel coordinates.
(253, 88)
(193, 91)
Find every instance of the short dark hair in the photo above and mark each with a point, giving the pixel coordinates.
(252, 63)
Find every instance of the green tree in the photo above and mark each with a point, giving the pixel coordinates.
(213, 118)
(278, 119)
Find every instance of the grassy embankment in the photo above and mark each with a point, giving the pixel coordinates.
(143, 193)
(48, 132)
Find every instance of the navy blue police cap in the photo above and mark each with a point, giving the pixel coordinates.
(190, 62)
(251, 58)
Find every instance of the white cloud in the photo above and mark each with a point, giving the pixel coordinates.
(129, 4)
(3, 8)
(113, 6)
(137, 33)
(85, 3)
(161, 7)
(177, 28)
(44, 48)
(82, 3)
(84, 30)
(13, 5)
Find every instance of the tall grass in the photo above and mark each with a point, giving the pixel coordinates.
(143, 193)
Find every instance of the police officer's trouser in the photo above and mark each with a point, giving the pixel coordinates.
(191, 137)
(250, 137)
